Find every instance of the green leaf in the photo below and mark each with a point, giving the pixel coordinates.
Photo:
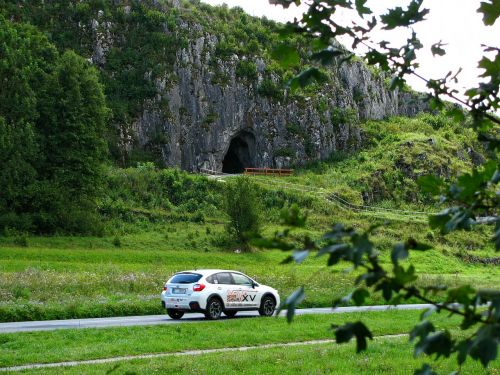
(397, 83)
(358, 330)
(387, 288)
(431, 310)
(337, 248)
(359, 296)
(462, 294)
(439, 343)
(485, 346)
(374, 57)
(422, 330)
(300, 255)
(451, 219)
(399, 252)
(306, 77)
(490, 10)
(491, 67)
(463, 350)
(327, 56)
(284, 3)
(425, 370)
(361, 245)
(370, 278)
(457, 113)
(398, 17)
(430, 184)
(402, 276)
(361, 8)
(437, 49)
(292, 302)
(286, 55)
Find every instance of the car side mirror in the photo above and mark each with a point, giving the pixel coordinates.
(254, 285)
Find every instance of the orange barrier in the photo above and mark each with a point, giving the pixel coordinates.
(269, 172)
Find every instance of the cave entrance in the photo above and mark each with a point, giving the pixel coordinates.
(240, 153)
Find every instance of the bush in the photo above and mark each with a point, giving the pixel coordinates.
(270, 89)
(243, 208)
(246, 69)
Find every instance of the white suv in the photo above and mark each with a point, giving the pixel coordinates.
(213, 292)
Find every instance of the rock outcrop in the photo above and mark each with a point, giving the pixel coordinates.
(178, 81)
(228, 126)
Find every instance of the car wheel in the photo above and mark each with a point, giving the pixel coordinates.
(230, 313)
(175, 314)
(214, 309)
(267, 306)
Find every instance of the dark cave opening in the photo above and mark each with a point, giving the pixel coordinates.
(239, 154)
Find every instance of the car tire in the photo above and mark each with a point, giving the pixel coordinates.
(214, 309)
(175, 314)
(230, 313)
(267, 306)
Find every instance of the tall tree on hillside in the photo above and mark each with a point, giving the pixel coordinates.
(52, 121)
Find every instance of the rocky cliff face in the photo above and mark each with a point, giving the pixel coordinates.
(228, 126)
(204, 112)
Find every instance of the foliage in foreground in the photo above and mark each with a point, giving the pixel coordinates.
(471, 195)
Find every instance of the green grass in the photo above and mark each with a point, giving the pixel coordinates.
(163, 221)
(70, 277)
(89, 277)
(395, 153)
(387, 356)
(80, 344)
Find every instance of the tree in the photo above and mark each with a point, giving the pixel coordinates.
(243, 208)
(52, 122)
(471, 195)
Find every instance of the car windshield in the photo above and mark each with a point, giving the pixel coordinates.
(185, 278)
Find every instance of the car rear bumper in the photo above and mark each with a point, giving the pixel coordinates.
(182, 303)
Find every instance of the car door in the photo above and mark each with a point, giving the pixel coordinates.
(224, 281)
(246, 291)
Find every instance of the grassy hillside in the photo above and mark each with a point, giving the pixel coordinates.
(395, 153)
(158, 221)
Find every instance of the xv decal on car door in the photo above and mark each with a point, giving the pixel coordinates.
(245, 291)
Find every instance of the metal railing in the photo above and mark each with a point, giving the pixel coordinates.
(268, 172)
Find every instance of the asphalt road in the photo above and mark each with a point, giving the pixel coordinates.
(49, 325)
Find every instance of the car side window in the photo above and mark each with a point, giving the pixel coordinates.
(212, 279)
(224, 278)
(241, 280)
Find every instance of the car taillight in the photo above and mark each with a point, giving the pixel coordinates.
(198, 287)
(164, 288)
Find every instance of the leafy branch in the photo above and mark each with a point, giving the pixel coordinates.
(473, 196)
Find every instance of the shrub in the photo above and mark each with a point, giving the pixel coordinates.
(117, 242)
(246, 69)
(243, 208)
(269, 89)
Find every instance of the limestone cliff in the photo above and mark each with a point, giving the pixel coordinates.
(206, 121)
(196, 87)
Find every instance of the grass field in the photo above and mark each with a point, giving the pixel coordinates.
(79, 344)
(383, 354)
(162, 221)
(67, 277)
(387, 356)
